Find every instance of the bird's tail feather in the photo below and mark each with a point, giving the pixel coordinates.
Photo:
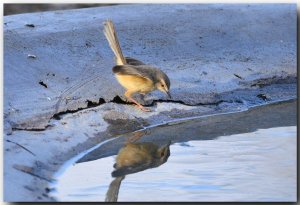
(111, 36)
(113, 190)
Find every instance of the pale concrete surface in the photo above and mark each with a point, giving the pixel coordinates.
(218, 57)
(200, 47)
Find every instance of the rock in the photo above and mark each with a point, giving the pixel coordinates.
(200, 51)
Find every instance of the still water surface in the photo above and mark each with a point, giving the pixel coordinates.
(255, 166)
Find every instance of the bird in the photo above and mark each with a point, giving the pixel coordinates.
(133, 158)
(134, 75)
(136, 157)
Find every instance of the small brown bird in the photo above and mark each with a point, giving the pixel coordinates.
(133, 158)
(132, 74)
(136, 157)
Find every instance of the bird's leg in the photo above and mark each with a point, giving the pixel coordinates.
(128, 95)
(136, 136)
(143, 96)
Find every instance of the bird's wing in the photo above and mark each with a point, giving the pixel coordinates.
(130, 169)
(140, 70)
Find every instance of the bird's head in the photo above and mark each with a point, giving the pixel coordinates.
(164, 153)
(163, 83)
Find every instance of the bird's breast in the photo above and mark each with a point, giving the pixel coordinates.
(136, 83)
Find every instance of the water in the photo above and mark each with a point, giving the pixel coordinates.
(258, 165)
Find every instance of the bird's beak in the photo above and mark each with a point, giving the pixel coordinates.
(169, 95)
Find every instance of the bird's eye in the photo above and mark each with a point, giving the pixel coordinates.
(162, 85)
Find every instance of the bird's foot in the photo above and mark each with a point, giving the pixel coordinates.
(128, 95)
(143, 108)
(136, 136)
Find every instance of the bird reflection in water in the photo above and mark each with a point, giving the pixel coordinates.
(135, 157)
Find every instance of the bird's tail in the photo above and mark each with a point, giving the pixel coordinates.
(113, 190)
(111, 36)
